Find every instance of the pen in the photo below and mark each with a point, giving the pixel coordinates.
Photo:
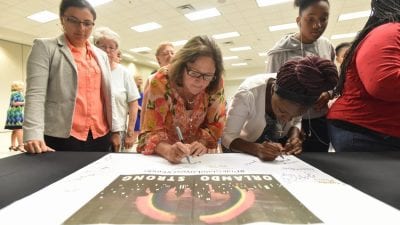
(180, 136)
(280, 151)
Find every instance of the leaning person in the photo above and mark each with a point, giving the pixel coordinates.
(190, 97)
(264, 118)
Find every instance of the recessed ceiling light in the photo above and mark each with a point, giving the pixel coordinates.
(262, 3)
(341, 36)
(226, 35)
(95, 3)
(202, 14)
(43, 16)
(146, 27)
(239, 64)
(244, 48)
(283, 27)
(230, 57)
(140, 49)
(354, 15)
(263, 53)
(179, 43)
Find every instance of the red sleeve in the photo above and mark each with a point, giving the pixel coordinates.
(378, 62)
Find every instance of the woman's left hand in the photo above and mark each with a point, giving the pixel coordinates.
(129, 141)
(293, 146)
(197, 149)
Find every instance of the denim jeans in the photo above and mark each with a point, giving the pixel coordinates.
(344, 140)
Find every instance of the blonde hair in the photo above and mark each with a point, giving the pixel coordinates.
(136, 77)
(17, 85)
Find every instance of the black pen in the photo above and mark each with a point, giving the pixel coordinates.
(280, 151)
(180, 136)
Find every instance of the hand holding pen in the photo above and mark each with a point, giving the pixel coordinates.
(268, 151)
(180, 136)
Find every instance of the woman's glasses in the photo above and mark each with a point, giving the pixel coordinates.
(197, 74)
(76, 22)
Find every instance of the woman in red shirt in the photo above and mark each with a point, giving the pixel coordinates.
(366, 116)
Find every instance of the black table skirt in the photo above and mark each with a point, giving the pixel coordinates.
(374, 173)
(24, 174)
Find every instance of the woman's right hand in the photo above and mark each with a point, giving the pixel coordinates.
(268, 151)
(177, 152)
(37, 146)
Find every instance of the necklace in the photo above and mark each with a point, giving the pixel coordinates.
(280, 128)
(190, 102)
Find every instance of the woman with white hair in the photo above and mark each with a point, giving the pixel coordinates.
(124, 91)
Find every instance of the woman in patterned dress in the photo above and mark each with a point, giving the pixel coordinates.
(15, 115)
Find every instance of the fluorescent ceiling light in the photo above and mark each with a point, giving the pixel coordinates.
(341, 36)
(146, 27)
(354, 15)
(239, 64)
(128, 56)
(230, 57)
(43, 16)
(140, 49)
(244, 48)
(95, 3)
(262, 3)
(283, 27)
(179, 43)
(154, 63)
(202, 14)
(263, 53)
(226, 35)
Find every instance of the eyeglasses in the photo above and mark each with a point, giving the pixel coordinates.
(105, 48)
(76, 22)
(196, 74)
(167, 53)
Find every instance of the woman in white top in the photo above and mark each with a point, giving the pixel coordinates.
(124, 91)
(265, 114)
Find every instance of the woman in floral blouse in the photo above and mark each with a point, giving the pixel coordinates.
(190, 96)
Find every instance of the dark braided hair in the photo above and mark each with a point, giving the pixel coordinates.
(309, 76)
(383, 11)
(303, 4)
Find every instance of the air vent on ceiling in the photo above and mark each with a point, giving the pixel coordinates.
(228, 43)
(248, 59)
(188, 8)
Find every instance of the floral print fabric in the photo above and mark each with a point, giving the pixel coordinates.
(165, 110)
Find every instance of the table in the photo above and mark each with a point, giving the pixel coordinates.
(373, 173)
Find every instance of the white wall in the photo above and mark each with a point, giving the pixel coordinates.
(13, 58)
(233, 78)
